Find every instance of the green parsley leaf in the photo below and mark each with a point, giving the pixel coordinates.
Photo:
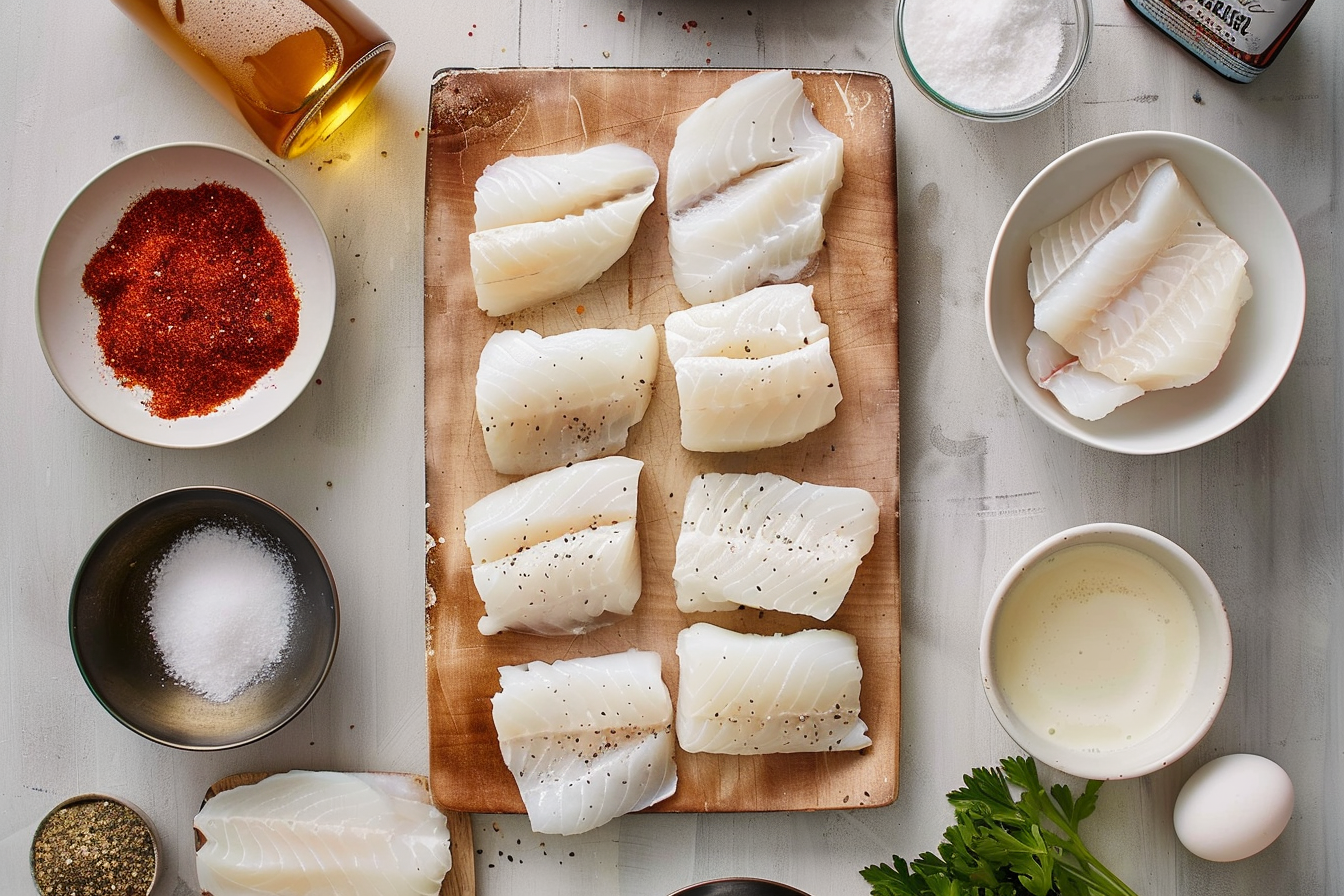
(1006, 845)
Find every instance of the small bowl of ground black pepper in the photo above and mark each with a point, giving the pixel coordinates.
(95, 845)
(993, 60)
(186, 296)
(204, 618)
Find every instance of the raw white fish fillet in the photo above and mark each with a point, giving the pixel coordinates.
(762, 540)
(745, 694)
(546, 402)
(308, 833)
(568, 586)
(1078, 264)
(750, 175)
(548, 225)
(1171, 326)
(750, 125)
(548, 505)
(765, 228)
(587, 739)
(754, 371)
(768, 320)
(524, 189)
(1137, 290)
(1083, 393)
(742, 404)
(557, 553)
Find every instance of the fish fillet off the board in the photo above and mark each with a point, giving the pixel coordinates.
(557, 553)
(746, 694)
(754, 371)
(1138, 286)
(544, 402)
(1079, 263)
(750, 175)
(304, 832)
(587, 739)
(1084, 393)
(1171, 326)
(762, 540)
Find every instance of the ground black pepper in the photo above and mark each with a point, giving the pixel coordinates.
(94, 847)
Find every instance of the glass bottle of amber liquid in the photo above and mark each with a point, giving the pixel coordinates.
(1236, 38)
(291, 70)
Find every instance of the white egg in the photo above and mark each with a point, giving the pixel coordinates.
(1233, 807)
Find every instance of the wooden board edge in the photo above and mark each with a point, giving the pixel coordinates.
(886, 791)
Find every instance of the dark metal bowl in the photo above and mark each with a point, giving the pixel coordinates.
(115, 649)
(739, 886)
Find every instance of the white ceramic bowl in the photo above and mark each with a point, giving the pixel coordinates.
(1195, 711)
(1268, 327)
(1076, 30)
(67, 322)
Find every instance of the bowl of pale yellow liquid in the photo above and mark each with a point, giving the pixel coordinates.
(1106, 651)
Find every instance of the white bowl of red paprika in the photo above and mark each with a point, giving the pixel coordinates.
(186, 296)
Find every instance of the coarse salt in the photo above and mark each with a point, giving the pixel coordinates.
(221, 610)
(984, 54)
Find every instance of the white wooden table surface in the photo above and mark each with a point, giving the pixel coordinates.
(982, 479)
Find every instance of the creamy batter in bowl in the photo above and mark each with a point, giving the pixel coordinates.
(1106, 651)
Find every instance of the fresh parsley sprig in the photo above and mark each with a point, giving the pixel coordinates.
(1006, 846)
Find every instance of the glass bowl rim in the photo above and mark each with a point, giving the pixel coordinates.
(1009, 113)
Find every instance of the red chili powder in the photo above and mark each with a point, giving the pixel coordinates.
(195, 300)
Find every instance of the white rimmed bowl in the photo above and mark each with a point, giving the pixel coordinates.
(67, 323)
(1196, 710)
(1268, 327)
(1075, 29)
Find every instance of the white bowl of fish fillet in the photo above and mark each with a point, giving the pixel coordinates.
(1145, 293)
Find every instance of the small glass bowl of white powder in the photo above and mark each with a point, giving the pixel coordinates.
(993, 60)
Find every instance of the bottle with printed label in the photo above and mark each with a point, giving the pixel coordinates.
(1236, 38)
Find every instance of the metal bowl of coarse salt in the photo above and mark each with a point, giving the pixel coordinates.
(993, 60)
(204, 618)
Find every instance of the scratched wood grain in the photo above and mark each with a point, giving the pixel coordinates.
(477, 118)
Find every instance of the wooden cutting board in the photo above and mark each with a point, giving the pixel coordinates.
(460, 879)
(479, 117)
